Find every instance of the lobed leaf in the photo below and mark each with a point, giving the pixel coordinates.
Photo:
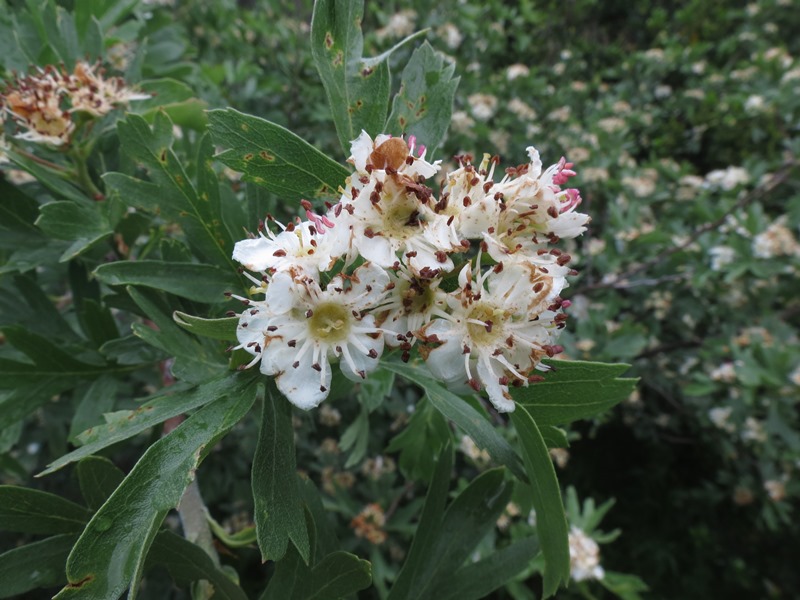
(187, 562)
(125, 424)
(274, 157)
(109, 556)
(357, 89)
(338, 575)
(424, 104)
(464, 524)
(462, 414)
(169, 191)
(574, 390)
(551, 522)
(278, 506)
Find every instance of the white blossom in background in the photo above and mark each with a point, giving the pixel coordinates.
(584, 556)
(401, 24)
(727, 179)
(776, 489)
(4, 148)
(451, 35)
(482, 106)
(776, 240)
(721, 256)
(794, 376)
(719, 417)
(517, 70)
(386, 247)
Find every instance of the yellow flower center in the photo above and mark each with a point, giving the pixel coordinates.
(493, 319)
(330, 322)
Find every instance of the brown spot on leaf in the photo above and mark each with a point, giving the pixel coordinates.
(81, 583)
(248, 156)
(328, 40)
(266, 156)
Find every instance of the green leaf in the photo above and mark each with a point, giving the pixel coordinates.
(32, 511)
(624, 585)
(274, 157)
(479, 579)
(18, 211)
(94, 400)
(126, 424)
(462, 414)
(82, 223)
(49, 557)
(554, 437)
(424, 105)
(98, 478)
(357, 88)
(292, 577)
(50, 179)
(169, 191)
(110, 553)
(27, 396)
(428, 528)
(551, 522)
(278, 506)
(201, 283)
(356, 437)
(216, 329)
(574, 390)
(196, 360)
(187, 562)
(338, 575)
(465, 523)
(421, 441)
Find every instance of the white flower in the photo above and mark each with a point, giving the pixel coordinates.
(388, 210)
(35, 102)
(91, 92)
(499, 325)
(300, 328)
(297, 246)
(535, 205)
(408, 306)
(584, 556)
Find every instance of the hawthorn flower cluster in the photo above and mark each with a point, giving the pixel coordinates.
(470, 278)
(44, 104)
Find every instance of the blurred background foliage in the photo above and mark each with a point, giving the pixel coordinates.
(682, 120)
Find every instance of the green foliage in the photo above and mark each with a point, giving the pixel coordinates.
(357, 87)
(115, 251)
(278, 511)
(424, 104)
(272, 156)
